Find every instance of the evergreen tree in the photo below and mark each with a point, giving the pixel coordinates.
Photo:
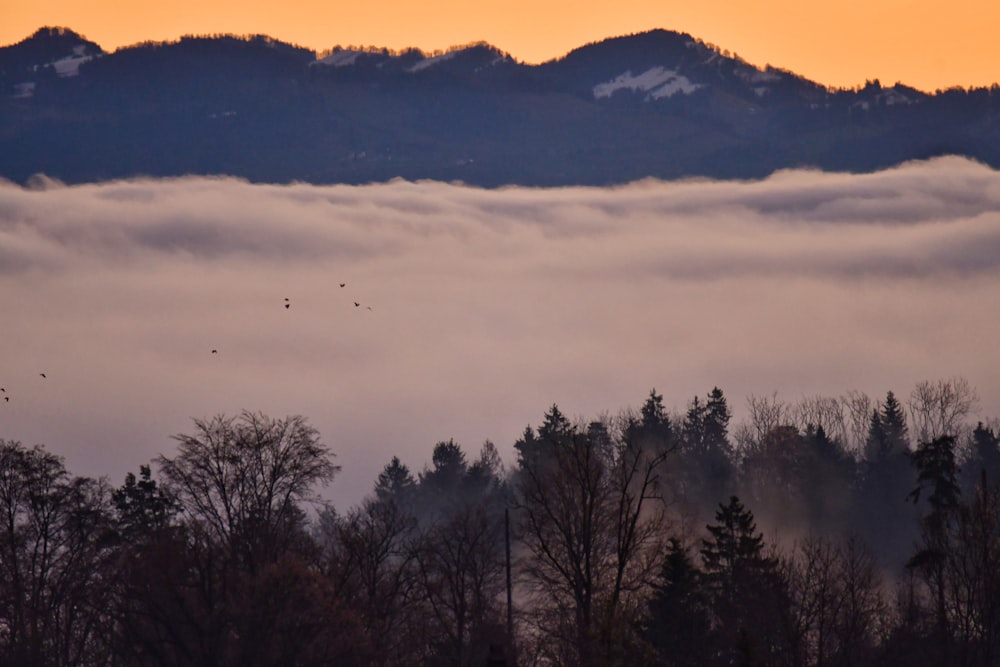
(748, 594)
(882, 513)
(555, 425)
(654, 415)
(555, 429)
(142, 506)
(487, 472)
(395, 483)
(984, 458)
(735, 545)
(707, 456)
(693, 428)
(829, 471)
(938, 473)
(442, 485)
(679, 621)
(897, 438)
(887, 432)
(876, 447)
(716, 422)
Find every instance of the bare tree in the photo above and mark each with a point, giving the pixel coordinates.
(460, 562)
(973, 579)
(55, 543)
(858, 407)
(812, 576)
(822, 411)
(766, 413)
(242, 480)
(861, 608)
(591, 524)
(939, 408)
(369, 558)
(239, 484)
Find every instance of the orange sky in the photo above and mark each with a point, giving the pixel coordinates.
(928, 44)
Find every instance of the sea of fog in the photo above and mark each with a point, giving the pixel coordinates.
(478, 309)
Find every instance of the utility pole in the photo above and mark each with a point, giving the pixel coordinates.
(510, 587)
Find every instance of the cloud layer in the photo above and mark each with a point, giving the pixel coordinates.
(486, 306)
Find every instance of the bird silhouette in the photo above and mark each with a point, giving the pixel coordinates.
(288, 305)
(343, 284)
(215, 351)
(42, 374)
(6, 399)
(357, 305)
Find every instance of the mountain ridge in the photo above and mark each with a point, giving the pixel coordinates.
(657, 104)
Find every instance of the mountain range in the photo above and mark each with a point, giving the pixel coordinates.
(657, 104)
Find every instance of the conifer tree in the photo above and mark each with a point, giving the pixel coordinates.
(395, 483)
(678, 621)
(749, 597)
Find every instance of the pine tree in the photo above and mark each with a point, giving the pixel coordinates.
(395, 483)
(749, 596)
(716, 421)
(876, 447)
(678, 621)
(897, 438)
(555, 426)
(654, 415)
(441, 486)
(735, 546)
(883, 515)
(887, 431)
(706, 450)
(141, 505)
(985, 457)
(693, 428)
(938, 472)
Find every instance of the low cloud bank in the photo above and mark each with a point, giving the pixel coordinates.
(478, 308)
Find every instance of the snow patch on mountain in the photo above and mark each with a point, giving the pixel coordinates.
(70, 65)
(657, 81)
(751, 75)
(891, 96)
(430, 62)
(341, 58)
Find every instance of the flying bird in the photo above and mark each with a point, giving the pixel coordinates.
(215, 351)
(343, 284)
(6, 399)
(42, 374)
(357, 305)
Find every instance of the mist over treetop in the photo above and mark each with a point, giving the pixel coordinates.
(485, 303)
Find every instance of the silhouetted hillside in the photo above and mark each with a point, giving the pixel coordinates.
(657, 104)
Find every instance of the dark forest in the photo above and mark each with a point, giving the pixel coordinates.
(843, 531)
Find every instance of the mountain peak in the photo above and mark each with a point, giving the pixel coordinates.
(57, 40)
(49, 49)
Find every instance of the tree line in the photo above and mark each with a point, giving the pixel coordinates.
(627, 539)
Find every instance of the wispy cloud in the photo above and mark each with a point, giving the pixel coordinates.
(486, 305)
